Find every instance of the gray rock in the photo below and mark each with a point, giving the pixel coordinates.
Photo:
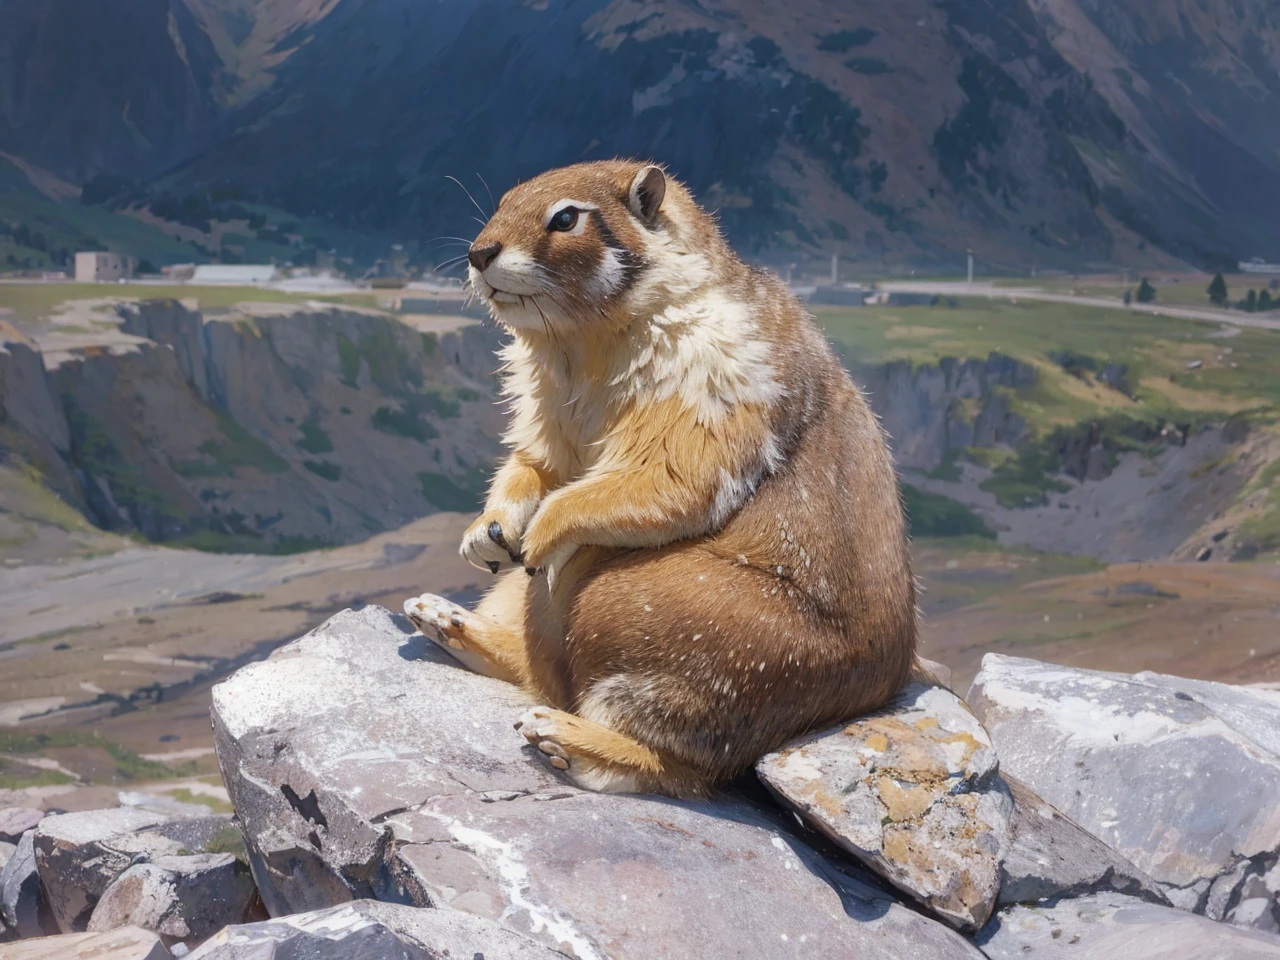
(189, 898)
(6, 852)
(80, 854)
(1179, 776)
(369, 930)
(24, 910)
(127, 943)
(912, 792)
(1050, 856)
(363, 762)
(1114, 927)
(15, 821)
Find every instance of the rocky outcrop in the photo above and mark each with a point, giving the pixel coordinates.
(363, 762)
(127, 943)
(80, 855)
(1050, 856)
(388, 809)
(15, 821)
(367, 928)
(24, 907)
(28, 402)
(187, 898)
(912, 792)
(1114, 927)
(1181, 777)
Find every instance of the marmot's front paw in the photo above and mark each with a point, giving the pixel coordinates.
(491, 541)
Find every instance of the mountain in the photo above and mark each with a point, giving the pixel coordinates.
(1039, 132)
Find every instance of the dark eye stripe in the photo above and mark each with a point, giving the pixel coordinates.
(632, 265)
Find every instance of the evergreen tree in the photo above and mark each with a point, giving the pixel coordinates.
(1128, 297)
(1218, 291)
(1264, 300)
(1146, 292)
(1251, 301)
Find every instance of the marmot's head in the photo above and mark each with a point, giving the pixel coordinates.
(591, 244)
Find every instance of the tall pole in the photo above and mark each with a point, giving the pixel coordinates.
(835, 269)
(970, 266)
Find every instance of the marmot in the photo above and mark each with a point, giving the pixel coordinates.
(709, 538)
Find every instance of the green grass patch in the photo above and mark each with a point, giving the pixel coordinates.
(129, 765)
(403, 422)
(96, 452)
(446, 493)
(241, 449)
(184, 795)
(324, 469)
(949, 469)
(228, 839)
(215, 541)
(1024, 480)
(389, 364)
(12, 777)
(842, 41)
(933, 515)
(314, 439)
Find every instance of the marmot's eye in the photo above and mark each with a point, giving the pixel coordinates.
(564, 220)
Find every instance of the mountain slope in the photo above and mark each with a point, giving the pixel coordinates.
(886, 130)
(118, 85)
(1199, 84)
(1039, 132)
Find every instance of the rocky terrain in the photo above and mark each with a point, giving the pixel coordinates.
(384, 807)
(1044, 132)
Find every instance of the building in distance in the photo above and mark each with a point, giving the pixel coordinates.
(238, 275)
(96, 267)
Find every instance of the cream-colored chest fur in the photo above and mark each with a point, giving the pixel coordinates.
(707, 351)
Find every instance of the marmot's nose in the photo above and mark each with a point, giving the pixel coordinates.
(481, 257)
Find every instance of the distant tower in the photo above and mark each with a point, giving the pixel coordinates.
(835, 269)
(970, 266)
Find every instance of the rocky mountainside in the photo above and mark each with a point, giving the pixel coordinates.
(1042, 132)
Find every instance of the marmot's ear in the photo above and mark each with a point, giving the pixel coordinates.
(647, 191)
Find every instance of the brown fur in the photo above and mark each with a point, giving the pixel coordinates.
(693, 643)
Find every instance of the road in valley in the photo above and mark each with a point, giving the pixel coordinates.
(1235, 318)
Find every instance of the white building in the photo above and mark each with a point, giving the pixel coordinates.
(1258, 266)
(238, 275)
(94, 267)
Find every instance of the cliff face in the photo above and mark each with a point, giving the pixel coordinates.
(261, 428)
(930, 411)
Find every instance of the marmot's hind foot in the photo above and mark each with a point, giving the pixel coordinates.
(597, 758)
(538, 726)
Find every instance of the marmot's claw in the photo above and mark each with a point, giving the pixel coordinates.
(497, 536)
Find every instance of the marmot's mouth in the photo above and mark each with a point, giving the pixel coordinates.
(487, 291)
